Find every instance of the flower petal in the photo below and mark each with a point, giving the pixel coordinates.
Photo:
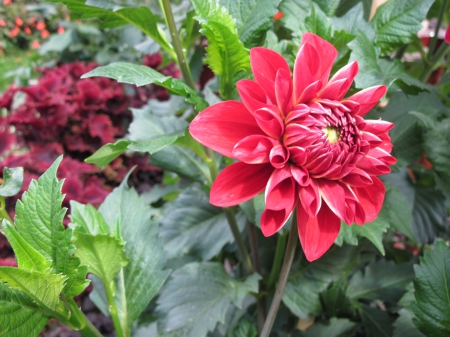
(254, 149)
(253, 96)
(333, 193)
(281, 190)
(222, 125)
(270, 122)
(367, 98)
(265, 65)
(318, 233)
(272, 221)
(310, 198)
(347, 74)
(279, 156)
(283, 91)
(239, 182)
(371, 198)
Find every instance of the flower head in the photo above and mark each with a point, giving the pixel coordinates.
(300, 140)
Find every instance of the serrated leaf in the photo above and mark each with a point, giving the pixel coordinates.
(103, 254)
(432, 292)
(86, 219)
(39, 222)
(396, 22)
(293, 10)
(328, 6)
(140, 75)
(144, 275)
(27, 257)
(403, 325)
(375, 71)
(353, 21)
(301, 294)
(107, 153)
(19, 314)
(117, 16)
(318, 23)
(226, 55)
(253, 18)
(381, 280)
(191, 224)
(12, 181)
(373, 231)
(198, 295)
(337, 327)
(44, 288)
(245, 328)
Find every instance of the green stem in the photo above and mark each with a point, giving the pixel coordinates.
(275, 272)
(443, 49)
(3, 213)
(436, 31)
(113, 311)
(181, 60)
(87, 328)
(287, 263)
(211, 163)
(239, 240)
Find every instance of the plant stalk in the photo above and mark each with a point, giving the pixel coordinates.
(275, 272)
(443, 49)
(113, 311)
(88, 329)
(181, 60)
(287, 263)
(436, 31)
(3, 213)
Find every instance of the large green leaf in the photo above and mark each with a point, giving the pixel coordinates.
(396, 22)
(432, 292)
(353, 21)
(293, 10)
(404, 326)
(44, 288)
(301, 295)
(39, 222)
(226, 55)
(19, 314)
(376, 322)
(191, 224)
(380, 280)
(399, 210)
(117, 16)
(375, 71)
(27, 257)
(144, 275)
(86, 219)
(337, 327)
(253, 18)
(12, 181)
(198, 295)
(140, 75)
(329, 7)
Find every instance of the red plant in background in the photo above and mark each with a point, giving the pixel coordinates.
(302, 142)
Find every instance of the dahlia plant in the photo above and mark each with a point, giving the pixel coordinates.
(308, 107)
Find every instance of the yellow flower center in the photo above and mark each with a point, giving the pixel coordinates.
(332, 134)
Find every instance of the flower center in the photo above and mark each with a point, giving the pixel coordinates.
(332, 134)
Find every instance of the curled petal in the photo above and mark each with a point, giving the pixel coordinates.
(298, 155)
(366, 98)
(377, 127)
(279, 156)
(239, 182)
(373, 166)
(357, 178)
(371, 198)
(280, 191)
(272, 221)
(310, 198)
(253, 96)
(333, 193)
(382, 155)
(270, 122)
(300, 174)
(283, 91)
(318, 233)
(254, 149)
(222, 125)
(265, 64)
(371, 138)
(345, 78)
(310, 92)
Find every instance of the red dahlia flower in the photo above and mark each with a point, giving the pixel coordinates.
(302, 142)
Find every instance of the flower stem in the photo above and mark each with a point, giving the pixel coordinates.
(239, 240)
(181, 60)
(3, 213)
(88, 329)
(443, 49)
(113, 311)
(436, 31)
(275, 272)
(288, 258)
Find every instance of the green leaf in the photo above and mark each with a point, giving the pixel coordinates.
(293, 10)
(301, 294)
(153, 145)
(191, 224)
(144, 275)
(328, 6)
(373, 231)
(403, 325)
(396, 22)
(226, 55)
(27, 257)
(335, 301)
(318, 23)
(12, 181)
(107, 153)
(39, 222)
(20, 315)
(400, 215)
(337, 327)
(44, 288)
(375, 71)
(103, 254)
(253, 18)
(86, 219)
(377, 323)
(432, 292)
(245, 328)
(116, 16)
(198, 295)
(140, 75)
(353, 21)
(190, 143)
(381, 280)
